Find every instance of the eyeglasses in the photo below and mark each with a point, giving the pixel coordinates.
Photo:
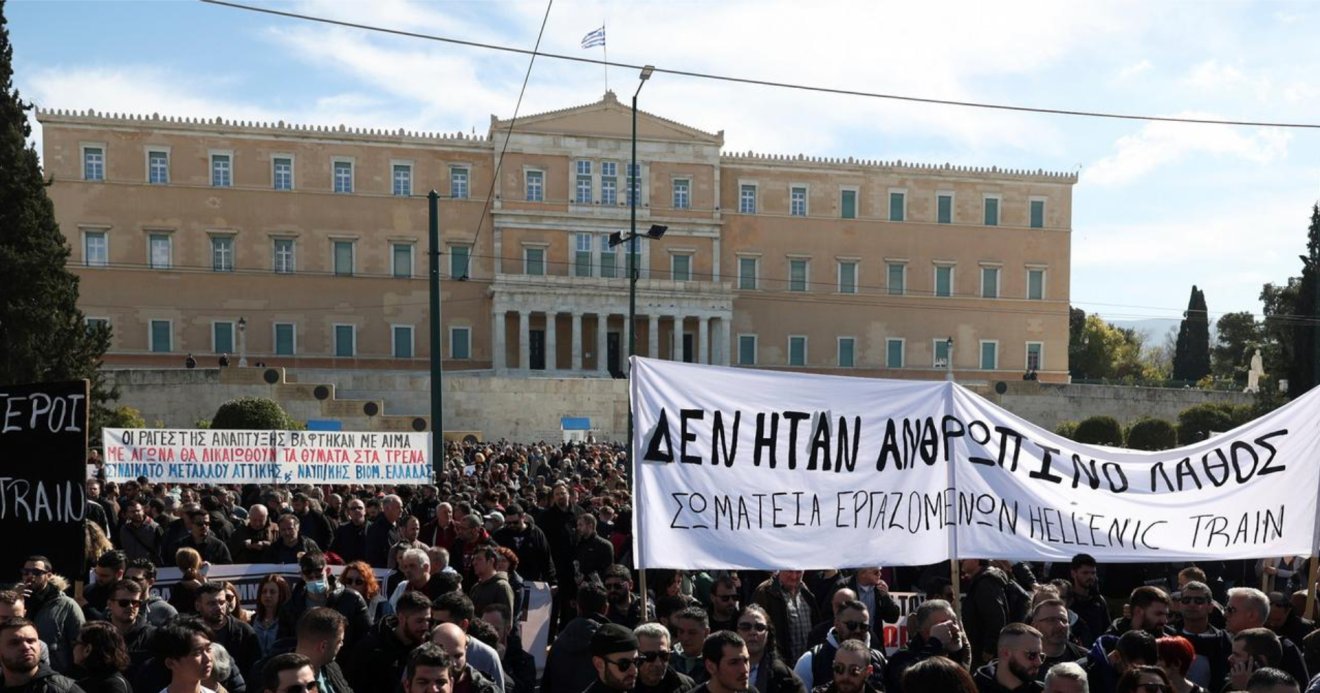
(354, 581)
(309, 687)
(662, 655)
(1153, 688)
(852, 670)
(758, 627)
(35, 571)
(128, 603)
(855, 625)
(1195, 600)
(1033, 655)
(625, 664)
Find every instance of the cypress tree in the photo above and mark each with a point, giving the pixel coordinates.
(43, 337)
(1191, 355)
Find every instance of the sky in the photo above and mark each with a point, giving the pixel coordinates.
(1158, 207)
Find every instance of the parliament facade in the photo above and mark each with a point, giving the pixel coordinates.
(307, 246)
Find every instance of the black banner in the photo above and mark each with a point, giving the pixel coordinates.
(43, 466)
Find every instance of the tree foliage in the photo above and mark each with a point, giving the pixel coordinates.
(1098, 350)
(253, 414)
(1152, 434)
(1191, 356)
(1291, 319)
(43, 336)
(1198, 422)
(1099, 430)
(1237, 337)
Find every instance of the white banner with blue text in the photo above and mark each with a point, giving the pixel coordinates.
(739, 468)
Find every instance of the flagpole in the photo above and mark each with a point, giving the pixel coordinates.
(605, 51)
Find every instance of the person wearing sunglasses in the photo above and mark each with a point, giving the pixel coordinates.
(934, 632)
(852, 670)
(124, 608)
(851, 622)
(288, 673)
(1019, 656)
(205, 543)
(614, 657)
(768, 672)
(654, 675)
(57, 616)
(1212, 645)
(1144, 679)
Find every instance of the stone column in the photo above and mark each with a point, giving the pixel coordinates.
(653, 336)
(602, 325)
(726, 342)
(702, 339)
(551, 348)
(524, 340)
(577, 341)
(676, 340)
(497, 346)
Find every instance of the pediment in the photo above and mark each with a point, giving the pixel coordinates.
(606, 118)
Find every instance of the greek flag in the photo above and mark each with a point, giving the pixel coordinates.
(594, 38)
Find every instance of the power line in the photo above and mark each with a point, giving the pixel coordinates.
(764, 82)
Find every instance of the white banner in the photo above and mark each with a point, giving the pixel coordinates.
(267, 457)
(748, 469)
(534, 621)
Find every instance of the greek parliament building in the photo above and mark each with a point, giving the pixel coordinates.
(307, 247)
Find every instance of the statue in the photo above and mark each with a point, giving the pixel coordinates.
(1253, 374)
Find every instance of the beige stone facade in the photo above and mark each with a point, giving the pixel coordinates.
(317, 239)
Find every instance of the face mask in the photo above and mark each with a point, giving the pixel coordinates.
(318, 587)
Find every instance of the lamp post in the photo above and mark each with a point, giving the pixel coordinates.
(948, 359)
(634, 183)
(242, 342)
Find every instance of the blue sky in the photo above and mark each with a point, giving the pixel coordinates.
(1158, 208)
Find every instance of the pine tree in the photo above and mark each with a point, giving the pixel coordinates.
(1191, 355)
(43, 337)
(1305, 357)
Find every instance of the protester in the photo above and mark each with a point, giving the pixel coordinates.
(382, 654)
(20, 660)
(1143, 679)
(184, 647)
(851, 623)
(938, 674)
(57, 617)
(288, 672)
(1176, 655)
(427, 671)
(569, 667)
(792, 612)
(690, 627)
(1050, 617)
(100, 659)
(769, 673)
(726, 660)
(517, 664)
(1066, 677)
(359, 577)
(272, 593)
(319, 587)
(320, 638)
(1017, 663)
(1086, 600)
(464, 677)
(654, 673)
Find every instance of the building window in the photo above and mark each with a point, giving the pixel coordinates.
(93, 163)
(285, 339)
(797, 202)
(797, 350)
(989, 282)
(343, 259)
(402, 180)
(747, 267)
(609, 259)
(583, 190)
(222, 337)
(897, 276)
(96, 249)
(1034, 350)
(847, 277)
(343, 176)
(989, 355)
(609, 183)
(283, 253)
(534, 181)
(1036, 284)
(534, 262)
(680, 268)
(944, 280)
(747, 199)
(897, 205)
(991, 211)
(582, 254)
(222, 253)
(160, 252)
(401, 260)
(222, 175)
(682, 194)
(282, 173)
(634, 183)
(797, 275)
(944, 208)
(847, 347)
(458, 183)
(941, 351)
(161, 337)
(848, 204)
(401, 338)
(459, 258)
(894, 353)
(460, 342)
(746, 350)
(158, 167)
(1038, 214)
(345, 340)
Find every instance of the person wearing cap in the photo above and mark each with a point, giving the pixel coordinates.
(1284, 621)
(494, 521)
(614, 655)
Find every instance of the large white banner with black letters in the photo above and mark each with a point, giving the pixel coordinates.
(739, 468)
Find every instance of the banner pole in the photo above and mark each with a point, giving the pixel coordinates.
(632, 482)
(1314, 571)
(955, 576)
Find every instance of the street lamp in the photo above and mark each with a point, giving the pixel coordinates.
(242, 342)
(948, 359)
(634, 184)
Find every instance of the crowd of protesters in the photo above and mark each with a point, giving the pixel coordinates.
(421, 588)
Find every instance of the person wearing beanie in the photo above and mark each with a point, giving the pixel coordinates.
(614, 654)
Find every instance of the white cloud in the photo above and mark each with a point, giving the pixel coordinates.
(1138, 68)
(1214, 75)
(1159, 144)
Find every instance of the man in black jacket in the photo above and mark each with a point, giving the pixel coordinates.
(350, 540)
(199, 537)
(1087, 602)
(290, 544)
(321, 639)
(614, 657)
(320, 589)
(250, 540)
(985, 608)
(381, 656)
(519, 666)
(559, 523)
(20, 657)
(935, 633)
(654, 674)
(1050, 617)
(384, 532)
(529, 542)
(568, 667)
(874, 593)
(312, 523)
(236, 637)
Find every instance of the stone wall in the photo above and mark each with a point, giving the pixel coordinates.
(530, 408)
